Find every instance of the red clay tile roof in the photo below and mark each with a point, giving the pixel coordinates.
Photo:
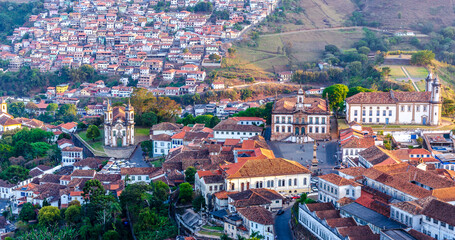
(391, 97)
(257, 214)
(339, 181)
(264, 167)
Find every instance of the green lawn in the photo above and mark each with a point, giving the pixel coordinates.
(395, 72)
(214, 228)
(211, 233)
(97, 144)
(417, 73)
(342, 124)
(141, 131)
(421, 85)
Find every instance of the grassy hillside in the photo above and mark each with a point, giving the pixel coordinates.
(393, 14)
(305, 46)
(308, 14)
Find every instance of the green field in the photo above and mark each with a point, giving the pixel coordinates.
(213, 228)
(395, 72)
(141, 132)
(216, 234)
(98, 144)
(306, 46)
(417, 73)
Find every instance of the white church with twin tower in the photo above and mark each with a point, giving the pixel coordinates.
(399, 108)
(119, 125)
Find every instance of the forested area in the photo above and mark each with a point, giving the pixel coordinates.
(28, 81)
(352, 66)
(103, 217)
(14, 14)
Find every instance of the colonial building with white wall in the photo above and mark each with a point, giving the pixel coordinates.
(284, 176)
(300, 119)
(414, 108)
(234, 128)
(333, 188)
(70, 155)
(258, 219)
(427, 215)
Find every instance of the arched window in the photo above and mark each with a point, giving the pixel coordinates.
(232, 186)
(290, 182)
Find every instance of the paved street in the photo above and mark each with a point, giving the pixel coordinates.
(282, 228)
(138, 159)
(325, 153)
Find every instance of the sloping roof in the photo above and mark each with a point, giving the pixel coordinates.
(370, 216)
(90, 162)
(166, 126)
(161, 137)
(391, 97)
(441, 211)
(377, 155)
(312, 105)
(264, 167)
(339, 181)
(257, 214)
(138, 170)
(252, 197)
(353, 171)
(232, 125)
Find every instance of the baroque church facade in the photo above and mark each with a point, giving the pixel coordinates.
(119, 125)
(411, 108)
(300, 119)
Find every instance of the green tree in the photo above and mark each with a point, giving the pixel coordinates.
(73, 214)
(111, 235)
(81, 126)
(148, 119)
(185, 192)
(198, 203)
(93, 132)
(231, 52)
(17, 109)
(214, 57)
(423, 57)
(213, 122)
(190, 172)
(160, 190)
(67, 112)
(14, 174)
(353, 91)
(93, 191)
(52, 107)
(245, 93)
(27, 212)
(336, 94)
(48, 215)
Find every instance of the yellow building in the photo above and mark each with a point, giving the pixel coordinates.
(7, 121)
(61, 88)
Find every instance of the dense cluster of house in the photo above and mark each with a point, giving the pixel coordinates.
(238, 174)
(407, 192)
(132, 39)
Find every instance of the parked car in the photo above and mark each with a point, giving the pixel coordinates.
(280, 212)
(296, 197)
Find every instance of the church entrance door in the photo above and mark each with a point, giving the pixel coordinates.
(119, 142)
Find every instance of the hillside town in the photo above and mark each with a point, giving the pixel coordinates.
(134, 40)
(338, 183)
(143, 121)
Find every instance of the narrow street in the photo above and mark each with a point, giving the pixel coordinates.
(282, 227)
